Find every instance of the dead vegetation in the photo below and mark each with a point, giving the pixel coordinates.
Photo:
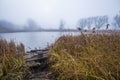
(86, 57)
(12, 63)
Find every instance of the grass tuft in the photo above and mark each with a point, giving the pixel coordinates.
(12, 63)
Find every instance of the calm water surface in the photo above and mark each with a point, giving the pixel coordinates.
(33, 40)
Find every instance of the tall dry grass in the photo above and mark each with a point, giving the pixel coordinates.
(86, 57)
(12, 63)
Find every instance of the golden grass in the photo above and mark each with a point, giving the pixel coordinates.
(86, 57)
(12, 63)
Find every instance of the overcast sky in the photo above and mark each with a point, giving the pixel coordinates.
(50, 12)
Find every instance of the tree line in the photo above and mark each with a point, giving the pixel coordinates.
(98, 22)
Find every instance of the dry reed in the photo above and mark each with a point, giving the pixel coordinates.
(86, 57)
(12, 63)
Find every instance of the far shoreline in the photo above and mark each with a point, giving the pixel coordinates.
(57, 30)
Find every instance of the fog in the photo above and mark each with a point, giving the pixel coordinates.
(48, 13)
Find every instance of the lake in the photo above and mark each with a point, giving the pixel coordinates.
(33, 40)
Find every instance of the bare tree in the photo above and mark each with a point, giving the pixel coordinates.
(117, 20)
(89, 22)
(62, 24)
(31, 23)
(99, 21)
(81, 24)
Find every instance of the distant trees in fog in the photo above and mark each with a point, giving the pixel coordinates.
(82, 23)
(62, 25)
(89, 23)
(100, 21)
(6, 26)
(97, 22)
(116, 22)
(31, 25)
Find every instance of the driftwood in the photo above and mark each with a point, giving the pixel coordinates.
(37, 60)
(37, 57)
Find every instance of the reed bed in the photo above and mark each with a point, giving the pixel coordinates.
(12, 63)
(86, 57)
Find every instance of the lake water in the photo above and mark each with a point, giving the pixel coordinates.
(33, 40)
